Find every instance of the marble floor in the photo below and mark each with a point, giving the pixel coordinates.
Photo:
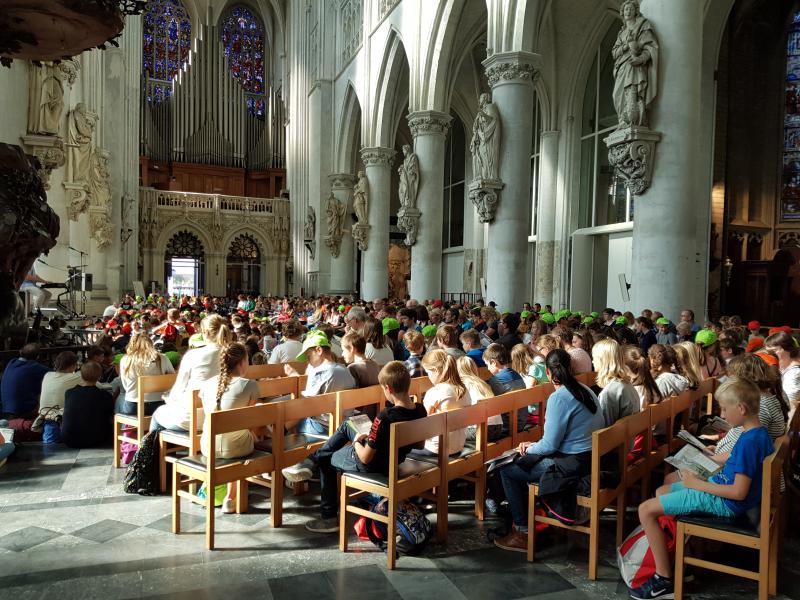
(67, 530)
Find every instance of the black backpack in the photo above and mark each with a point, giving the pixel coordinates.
(142, 476)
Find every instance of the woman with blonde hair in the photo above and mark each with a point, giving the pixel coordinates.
(688, 363)
(230, 389)
(448, 393)
(141, 358)
(197, 366)
(478, 390)
(618, 397)
(524, 363)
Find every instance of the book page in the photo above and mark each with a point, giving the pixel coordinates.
(691, 459)
(8, 434)
(360, 424)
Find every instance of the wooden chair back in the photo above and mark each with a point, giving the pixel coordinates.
(771, 483)
(524, 399)
(311, 406)
(272, 371)
(639, 440)
(302, 380)
(500, 405)
(409, 433)
(660, 424)
(282, 386)
(681, 409)
(587, 379)
(348, 400)
(147, 384)
(484, 373)
(606, 441)
(705, 391)
(419, 385)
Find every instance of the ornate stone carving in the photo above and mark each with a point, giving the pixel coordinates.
(77, 199)
(46, 96)
(483, 194)
(386, 6)
(635, 67)
(101, 229)
(789, 239)
(631, 151)
(310, 231)
(361, 235)
(335, 213)
(429, 123)
(408, 215)
(485, 144)
(377, 157)
(81, 129)
(361, 208)
(49, 149)
(510, 71)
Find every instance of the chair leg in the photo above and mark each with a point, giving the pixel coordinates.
(680, 551)
(773, 559)
(209, 516)
(276, 499)
(480, 494)
(242, 491)
(342, 515)
(117, 453)
(441, 514)
(621, 504)
(162, 464)
(176, 502)
(763, 572)
(531, 523)
(594, 540)
(391, 532)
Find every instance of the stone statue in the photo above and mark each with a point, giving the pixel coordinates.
(635, 67)
(335, 211)
(361, 199)
(100, 179)
(409, 178)
(101, 229)
(81, 129)
(45, 99)
(485, 144)
(310, 227)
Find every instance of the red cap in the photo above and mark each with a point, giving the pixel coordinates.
(126, 328)
(754, 344)
(437, 303)
(768, 358)
(754, 325)
(787, 329)
(773, 330)
(111, 324)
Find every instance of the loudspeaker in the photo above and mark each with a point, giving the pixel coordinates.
(85, 282)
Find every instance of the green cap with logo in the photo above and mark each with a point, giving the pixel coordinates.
(706, 337)
(390, 324)
(314, 339)
(525, 314)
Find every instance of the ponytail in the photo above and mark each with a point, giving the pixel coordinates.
(560, 366)
(229, 358)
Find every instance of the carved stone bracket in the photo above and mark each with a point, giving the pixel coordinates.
(377, 157)
(483, 193)
(429, 122)
(631, 151)
(512, 67)
(49, 149)
(361, 235)
(408, 223)
(77, 199)
(333, 244)
(100, 227)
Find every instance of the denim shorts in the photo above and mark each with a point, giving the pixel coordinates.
(683, 501)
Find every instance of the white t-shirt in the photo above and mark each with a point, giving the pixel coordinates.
(130, 380)
(790, 382)
(379, 355)
(197, 366)
(440, 398)
(285, 352)
(55, 385)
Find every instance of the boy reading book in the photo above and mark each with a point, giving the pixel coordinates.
(730, 493)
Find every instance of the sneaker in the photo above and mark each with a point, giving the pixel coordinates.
(655, 587)
(228, 506)
(491, 508)
(323, 525)
(302, 471)
(514, 541)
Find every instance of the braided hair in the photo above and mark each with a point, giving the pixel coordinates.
(229, 358)
(559, 363)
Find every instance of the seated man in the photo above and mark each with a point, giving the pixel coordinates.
(21, 385)
(347, 450)
(88, 411)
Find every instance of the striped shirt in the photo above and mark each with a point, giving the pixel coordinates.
(771, 417)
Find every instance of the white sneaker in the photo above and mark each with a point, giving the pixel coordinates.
(228, 506)
(299, 472)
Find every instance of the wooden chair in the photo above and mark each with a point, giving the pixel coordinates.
(681, 410)
(350, 400)
(170, 443)
(763, 540)
(419, 385)
(587, 379)
(406, 479)
(637, 465)
(523, 399)
(660, 418)
(290, 449)
(272, 371)
(605, 441)
(213, 471)
(278, 388)
(140, 423)
(706, 392)
(484, 373)
(500, 405)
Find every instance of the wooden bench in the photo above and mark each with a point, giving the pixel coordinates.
(273, 371)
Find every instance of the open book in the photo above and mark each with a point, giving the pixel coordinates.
(692, 459)
(719, 425)
(690, 439)
(8, 434)
(360, 424)
(505, 458)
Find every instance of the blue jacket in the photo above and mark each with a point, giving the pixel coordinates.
(20, 387)
(476, 354)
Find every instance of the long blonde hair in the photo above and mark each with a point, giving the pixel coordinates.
(229, 358)
(468, 371)
(521, 359)
(139, 354)
(445, 365)
(609, 362)
(216, 331)
(688, 363)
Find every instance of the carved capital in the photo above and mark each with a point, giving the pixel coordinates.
(483, 193)
(377, 157)
(49, 149)
(408, 223)
(334, 245)
(69, 69)
(361, 235)
(512, 67)
(429, 122)
(631, 151)
(342, 181)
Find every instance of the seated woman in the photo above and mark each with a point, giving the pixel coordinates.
(229, 389)
(88, 411)
(142, 358)
(448, 393)
(618, 397)
(573, 414)
(662, 360)
(198, 366)
(478, 390)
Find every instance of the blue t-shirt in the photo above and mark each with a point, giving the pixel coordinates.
(746, 458)
(476, 354)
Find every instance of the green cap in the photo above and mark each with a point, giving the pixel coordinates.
(662, 321)
(706, 337)
(342, 308)
(173, 357)
(390, 324)
(595, 314)
(548, 318)
(314, 339)
(429, 330)
(118, 358)
(588, 320)
(621, 321)
(525, 314)
(562, 314)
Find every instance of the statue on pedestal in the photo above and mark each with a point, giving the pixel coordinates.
(100, 199)
(310, 230)
(485, 144)
(335, 212)
(81, 129)
(408, 215)
(361, 208)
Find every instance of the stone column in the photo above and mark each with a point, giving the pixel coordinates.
(429, 129)
(546, 218)
(510, 76)
(667, 270)
(343, 266)
(375, 261)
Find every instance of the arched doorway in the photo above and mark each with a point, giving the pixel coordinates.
(243, 266)
(184, 261)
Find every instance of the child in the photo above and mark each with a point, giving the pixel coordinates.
(415, 344)
(618, 398)
(730, 493)
(448, 393)
(369, 453)
(87, 411)
(364, 370)
(471, 341)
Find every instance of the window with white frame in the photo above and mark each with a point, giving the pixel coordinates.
(453, 217)
(536, 153)
(604, 199)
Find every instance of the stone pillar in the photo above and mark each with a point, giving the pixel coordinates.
(429, 129)
(343, 278)
(510, 76)
(666, 270)
(546, 218)
(375, 261)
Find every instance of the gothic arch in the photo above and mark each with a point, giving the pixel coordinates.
(390, 97)
(350, 132)
(189, 226)
(263, 242)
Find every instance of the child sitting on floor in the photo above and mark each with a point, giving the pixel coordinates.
(730, 493)
(88, 411)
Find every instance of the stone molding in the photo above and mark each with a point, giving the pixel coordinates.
(631, 151)
(483, 193)
(342, 181)
(512, 67)
(429, 122)
(377, 156)
(50, 151)
(408, 223)
(360, 234)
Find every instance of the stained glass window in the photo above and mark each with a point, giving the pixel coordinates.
(244, 248)
(790, 201)
(243, 41)
(185, 243)
(167, 40)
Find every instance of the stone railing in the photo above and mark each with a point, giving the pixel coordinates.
(216, 202)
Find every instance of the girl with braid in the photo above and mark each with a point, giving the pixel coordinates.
(229, 389)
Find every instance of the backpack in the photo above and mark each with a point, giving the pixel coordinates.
(142, 476)
(635, 559)
(413, 528)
